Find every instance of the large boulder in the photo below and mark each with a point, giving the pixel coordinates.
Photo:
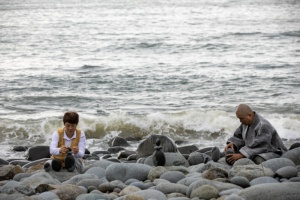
(146, 147)
(38, 152)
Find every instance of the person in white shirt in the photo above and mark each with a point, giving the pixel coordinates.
(67, 146)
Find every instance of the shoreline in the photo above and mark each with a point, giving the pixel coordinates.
(121, 174)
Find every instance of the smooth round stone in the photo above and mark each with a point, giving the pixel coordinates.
(277, 163)
(287, 172)
(205, 192)
(263, 180)
(173, 176)
(240, 181)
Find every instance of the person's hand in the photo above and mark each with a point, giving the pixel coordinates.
(75, 149)
(64, 149)
(231, 158)
(229, 146)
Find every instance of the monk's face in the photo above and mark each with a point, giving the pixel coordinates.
(245, 119)
(70, 129)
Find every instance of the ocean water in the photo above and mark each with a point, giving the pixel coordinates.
(138, 67)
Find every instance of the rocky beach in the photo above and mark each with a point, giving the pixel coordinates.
(120, 174)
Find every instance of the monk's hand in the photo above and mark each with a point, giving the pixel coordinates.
(75, 149)
(64, 149)
(231, 158)
(229, 146)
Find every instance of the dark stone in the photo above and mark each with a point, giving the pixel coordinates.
(206, 149)
(118, 141)
(38, 152)
(295, 145)
(132, 157)
(20, 148)
(19, 162)
(115, 149)
(158, 157)
(100, 153)
(293, 155)
(197, 157)
(215, 154)
(87, 151)
(146, 147)
(56, 164)
(125, 154)
(187, 149)
(229, 151)
(3, 162)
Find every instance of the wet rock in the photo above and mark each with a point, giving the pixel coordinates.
(9, 171)
(92, 196)
(125, 154)
(243, 161)
(115, 149)
(188, 149)
(146, 147)
(118, 141)
(38, 152)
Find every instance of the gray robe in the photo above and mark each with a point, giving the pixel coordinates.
(260, 138)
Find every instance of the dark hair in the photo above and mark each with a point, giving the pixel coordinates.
(71, 117)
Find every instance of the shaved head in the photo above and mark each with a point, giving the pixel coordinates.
(243, 110)
(245, 114)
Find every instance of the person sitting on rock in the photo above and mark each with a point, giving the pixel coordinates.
(255, 138)
(67, 146)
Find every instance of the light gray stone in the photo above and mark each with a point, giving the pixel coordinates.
(240, 181)
(274, 191)
(217, 184)
(287, 172)
(148, 194)
(126, 171)
(168, 188)
(173, 176)
(263, 180)
(293, 155)
(205, 192)
(250, 171)
(277, 163)
(98, 171)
